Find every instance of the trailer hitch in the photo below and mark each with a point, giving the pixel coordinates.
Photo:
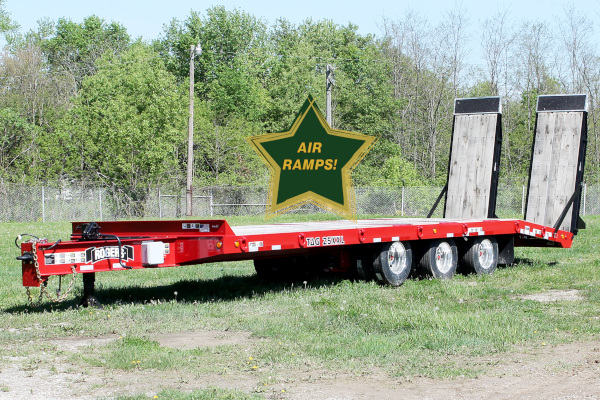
(26, 258)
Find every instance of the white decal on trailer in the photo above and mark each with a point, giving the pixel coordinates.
(254, 246)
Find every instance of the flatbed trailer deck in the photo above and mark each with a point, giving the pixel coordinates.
(154, 244)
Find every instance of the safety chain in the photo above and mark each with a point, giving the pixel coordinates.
(43, 292)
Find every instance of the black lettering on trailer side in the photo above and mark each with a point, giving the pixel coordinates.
(333, 240)
(313, 241)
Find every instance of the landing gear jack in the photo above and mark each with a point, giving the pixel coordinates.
(89, 298)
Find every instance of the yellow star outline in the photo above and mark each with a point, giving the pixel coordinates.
(346, 209)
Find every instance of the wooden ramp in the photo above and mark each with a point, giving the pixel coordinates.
(474, 158)
(557, 162)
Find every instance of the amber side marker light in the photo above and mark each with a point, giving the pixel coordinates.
(219, 244)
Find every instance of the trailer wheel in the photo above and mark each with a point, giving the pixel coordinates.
(481, 256)
(393, 264)
(440, 259)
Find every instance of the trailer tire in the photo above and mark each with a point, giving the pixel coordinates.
(481, 256)
(393, 264)
(440, 259)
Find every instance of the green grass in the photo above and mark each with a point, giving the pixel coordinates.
(208, 394)
(424, 328)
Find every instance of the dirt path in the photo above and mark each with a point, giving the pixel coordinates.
(570, 371)
(562, 372)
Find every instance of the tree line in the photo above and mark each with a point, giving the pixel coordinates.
(84, 101)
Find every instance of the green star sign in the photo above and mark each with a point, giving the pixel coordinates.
(311, 163)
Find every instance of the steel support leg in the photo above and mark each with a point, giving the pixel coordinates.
(89, 292)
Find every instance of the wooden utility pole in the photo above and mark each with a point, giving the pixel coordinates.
(330, 82)
(194, 50)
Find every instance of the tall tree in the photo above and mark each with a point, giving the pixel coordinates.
(427, 63)
(292, 75)
(75, 47)
(7, 25)
(18, 140)
(129, 123)
(29, 87)
(497, 39)
(230, 70)
(583, 65)
(33, 101)
(531, 68)
(222, 155)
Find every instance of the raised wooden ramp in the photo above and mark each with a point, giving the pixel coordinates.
(474, 158)
(557, 161)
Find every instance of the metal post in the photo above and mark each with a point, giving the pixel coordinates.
(211, 202)
(523, 201)
(43, 205)
(330, 82)
(159, 205)
(402, 212)
(89, 291)
(584, 196)
(100, 198)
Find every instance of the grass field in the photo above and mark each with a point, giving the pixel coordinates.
(426, 328)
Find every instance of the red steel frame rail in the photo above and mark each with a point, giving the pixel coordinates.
(188, 242)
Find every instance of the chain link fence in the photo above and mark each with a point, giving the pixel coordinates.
(26, 203)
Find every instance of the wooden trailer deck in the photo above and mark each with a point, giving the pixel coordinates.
(301, 227)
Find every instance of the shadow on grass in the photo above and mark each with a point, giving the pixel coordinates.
(226, 288)
(526, 262)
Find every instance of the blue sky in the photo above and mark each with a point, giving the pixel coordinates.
(146, 18)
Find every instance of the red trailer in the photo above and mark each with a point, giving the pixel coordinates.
(383, 249)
